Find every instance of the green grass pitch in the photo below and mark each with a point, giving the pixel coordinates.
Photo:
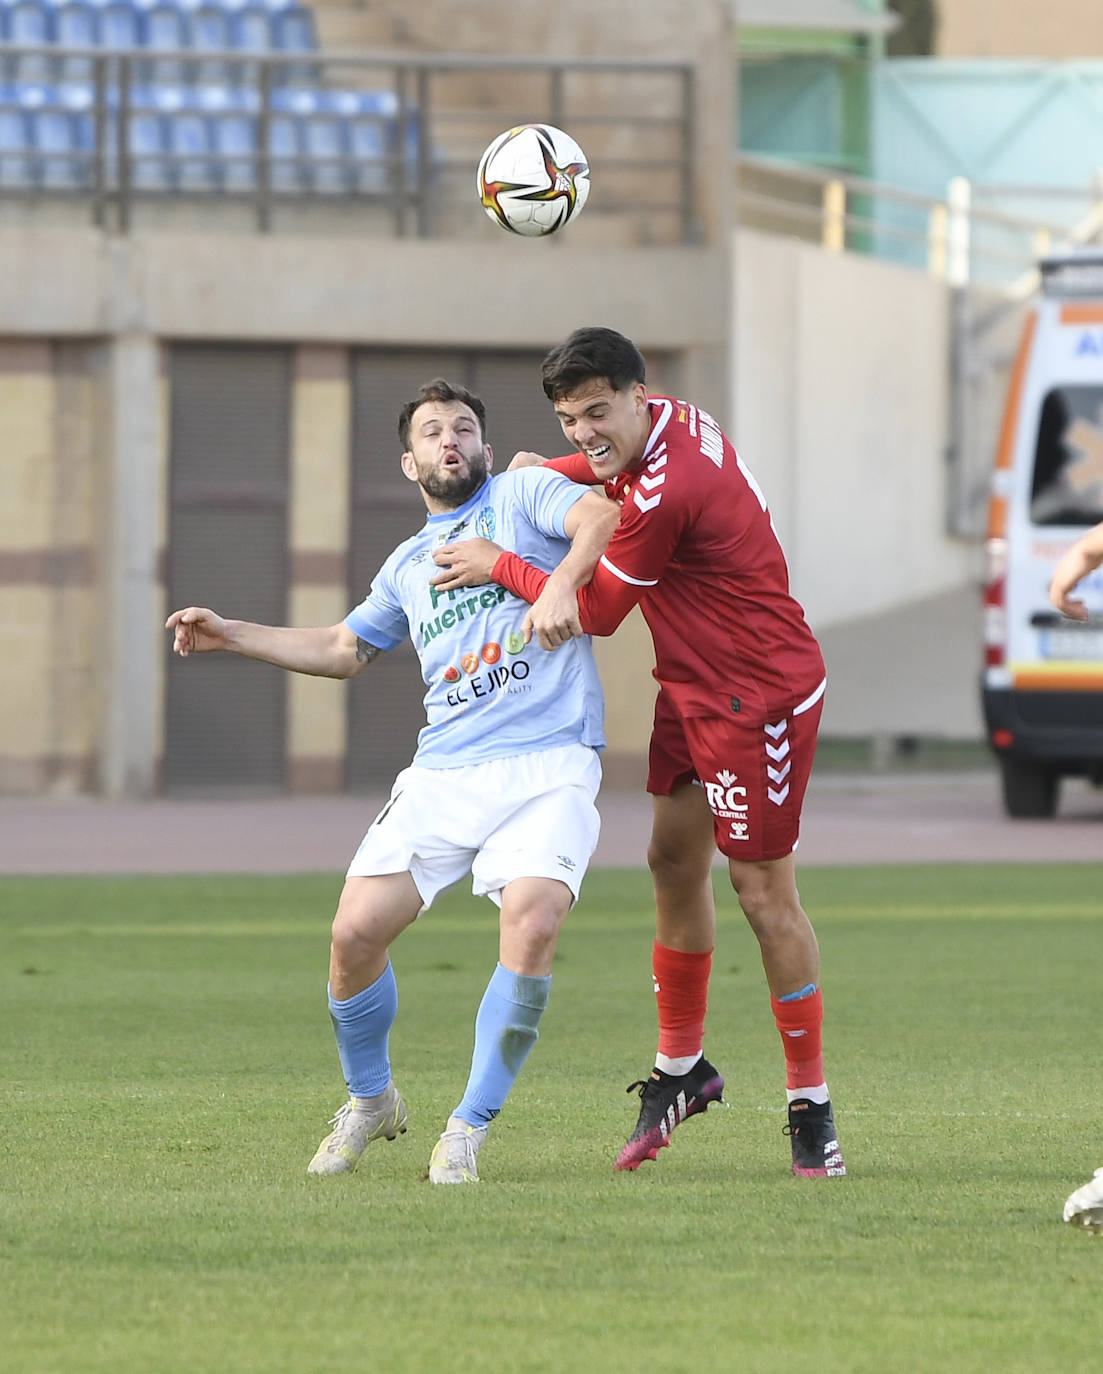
(168, 1068)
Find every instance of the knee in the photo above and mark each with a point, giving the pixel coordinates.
(770, 910)
(670, 862)
(351, 933)
(540, 923)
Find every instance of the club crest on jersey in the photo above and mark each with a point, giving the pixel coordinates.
(485, 523)
(728, 801)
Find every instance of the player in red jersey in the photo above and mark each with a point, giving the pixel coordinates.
(741, 683)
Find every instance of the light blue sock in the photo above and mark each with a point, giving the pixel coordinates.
(362, 1026)
(505, 1031)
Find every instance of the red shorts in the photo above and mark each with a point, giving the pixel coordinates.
(754, 768)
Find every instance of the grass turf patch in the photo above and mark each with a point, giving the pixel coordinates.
(168, 1069)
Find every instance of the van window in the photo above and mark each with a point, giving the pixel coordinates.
(1068, 459)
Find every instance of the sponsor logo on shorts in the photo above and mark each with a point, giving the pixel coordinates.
(565, 861)
(728, 801)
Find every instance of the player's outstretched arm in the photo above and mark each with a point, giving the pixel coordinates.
(320, 651)
(1084, 557)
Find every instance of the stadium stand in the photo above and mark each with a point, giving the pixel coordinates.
(196, 113)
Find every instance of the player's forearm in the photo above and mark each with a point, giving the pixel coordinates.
(1087, 553)
(574, 466)
(591, 532)
(321, 651)
(602, 603)
(1084, 557)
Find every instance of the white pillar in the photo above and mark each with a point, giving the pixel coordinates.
(131, 639)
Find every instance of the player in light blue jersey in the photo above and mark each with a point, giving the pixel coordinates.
(501, 786)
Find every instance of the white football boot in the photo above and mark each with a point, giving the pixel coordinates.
(1085, 1206)
(455, 1155)
(360, 1121)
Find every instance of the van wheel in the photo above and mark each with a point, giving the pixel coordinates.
(1029, 789)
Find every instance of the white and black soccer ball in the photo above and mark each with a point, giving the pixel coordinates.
(533, 179)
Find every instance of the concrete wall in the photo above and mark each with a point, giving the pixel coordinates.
(842, 407)
(84, 405)
(1019, 28)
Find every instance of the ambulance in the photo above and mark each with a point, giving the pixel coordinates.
(1042, 683)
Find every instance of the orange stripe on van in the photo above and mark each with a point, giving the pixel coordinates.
(1059, 677)
(997, 505)
(1082, 314)
(1014, 393)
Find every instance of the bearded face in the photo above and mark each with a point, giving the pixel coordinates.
(453, 483)
(447, 457)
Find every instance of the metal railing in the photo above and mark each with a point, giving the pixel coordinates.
(965, 236)
(432, 116)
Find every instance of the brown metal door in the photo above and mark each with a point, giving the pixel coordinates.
(228, 456)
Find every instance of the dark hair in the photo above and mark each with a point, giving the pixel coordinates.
(439, 390)
(589, 354)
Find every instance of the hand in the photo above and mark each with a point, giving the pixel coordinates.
(524, 459)
(197, 631)
(553, 615)
(1065, 577)
(466, 564)
(1075, 610)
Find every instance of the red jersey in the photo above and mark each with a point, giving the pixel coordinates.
(696, 549)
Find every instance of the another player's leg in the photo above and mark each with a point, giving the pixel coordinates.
(507, 1023)
(363, 1000)
(767, 893)
(1085, 1206)
(682, 1082)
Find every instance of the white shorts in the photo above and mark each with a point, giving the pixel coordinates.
(529, 816)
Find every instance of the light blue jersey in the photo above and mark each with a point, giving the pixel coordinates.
(490, 695)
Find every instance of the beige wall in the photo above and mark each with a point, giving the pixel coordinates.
(1020, 28)
(842, 408)
(50, 511)
(84, 410)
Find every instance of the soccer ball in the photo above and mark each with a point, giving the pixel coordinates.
(533, 179)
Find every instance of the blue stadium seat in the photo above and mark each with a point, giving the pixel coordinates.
(16, 168)
(235, 143)
(369, 150)
(192, 146)
(325, 144)
(285, 152)
(164, 30)
(61, 164)
(29, 23)
(119, 28)
(293, 33)
(251, 29)
(147, 142)
(74, 27)
(293, 30)
(209, 32)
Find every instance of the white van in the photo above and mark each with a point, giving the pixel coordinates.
(1043, 673)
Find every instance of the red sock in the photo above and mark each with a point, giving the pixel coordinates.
(682, 992)
(801, 1027)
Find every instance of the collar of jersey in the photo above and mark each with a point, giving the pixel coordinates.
(453, 516)
(618, 487)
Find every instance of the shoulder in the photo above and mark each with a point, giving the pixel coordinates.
(685, 428)
(411, 551)
(531, 484)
